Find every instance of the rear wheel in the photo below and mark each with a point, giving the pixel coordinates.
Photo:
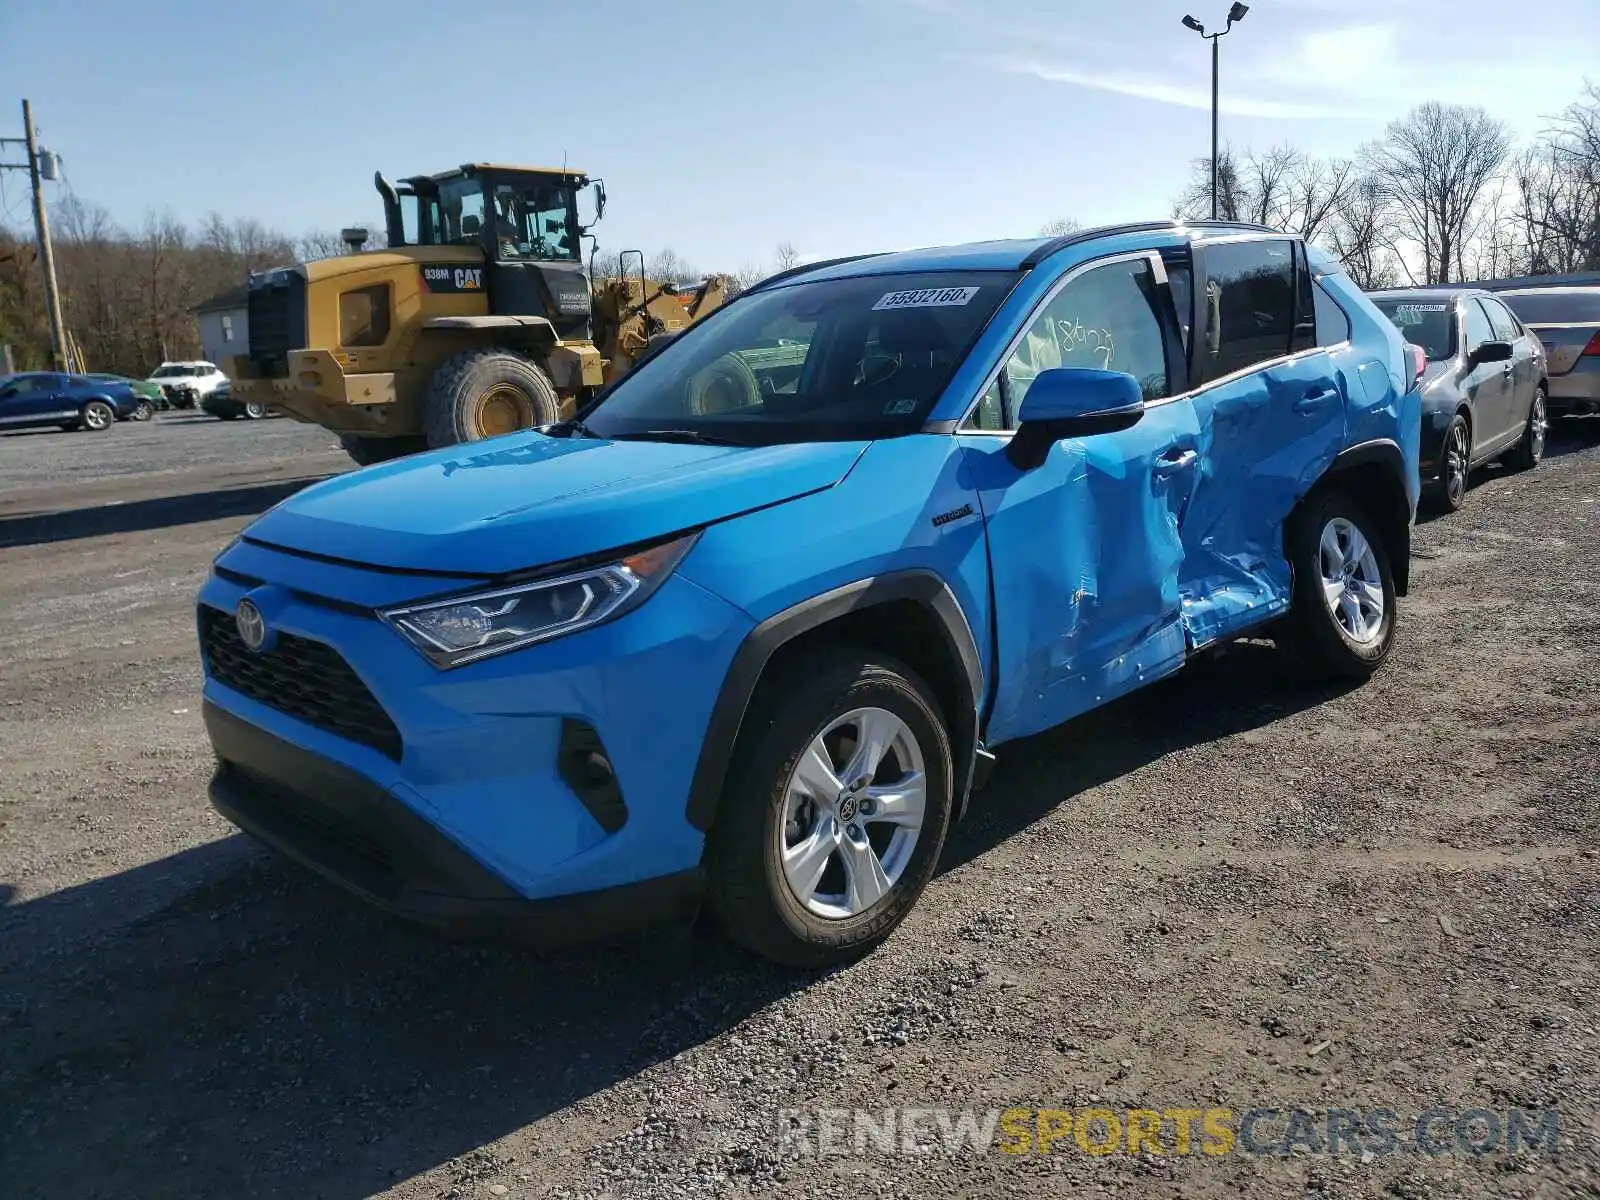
(485, 393)
(96, 416)
(1525, 455)
(370, 450)
(836, 806)
(1342, 617)
(255, 410)
(142, 411)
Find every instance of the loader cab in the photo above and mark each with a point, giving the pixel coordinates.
(526, 223)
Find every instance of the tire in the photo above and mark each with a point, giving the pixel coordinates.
(368, 451)
(142, 411)
(254, 410)
(1323, 641)
(97, 416)
(1525, 455)
(748, 891)
(1455, 468)
(723, 385)
(483, 393)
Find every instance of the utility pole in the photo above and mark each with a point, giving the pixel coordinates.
(47, 259)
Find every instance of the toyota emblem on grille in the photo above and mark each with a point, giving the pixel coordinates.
(252, 625)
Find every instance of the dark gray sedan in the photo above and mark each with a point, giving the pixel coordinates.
(1484, 389)
(1567, 321)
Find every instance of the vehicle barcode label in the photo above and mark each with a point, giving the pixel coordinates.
(927, 298)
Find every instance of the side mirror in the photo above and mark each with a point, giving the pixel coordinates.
(1070, 402)
(1491, 352)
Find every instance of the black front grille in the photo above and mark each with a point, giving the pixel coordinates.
(305, 679)
(277, 320)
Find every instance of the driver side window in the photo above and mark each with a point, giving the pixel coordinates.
(1107, 319)
(1475, 325)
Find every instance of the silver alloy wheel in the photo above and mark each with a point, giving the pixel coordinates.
(1351, 584)
(1456, 458)
(94, 416)
(852, 813)
(1538, 425)
(143, 411)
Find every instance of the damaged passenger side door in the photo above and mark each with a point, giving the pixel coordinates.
(1084, 546)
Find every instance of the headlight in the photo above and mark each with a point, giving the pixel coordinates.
(463, 629)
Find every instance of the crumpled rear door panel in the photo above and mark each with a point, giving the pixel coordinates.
(1265, 439)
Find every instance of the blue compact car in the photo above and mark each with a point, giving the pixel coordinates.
(746, 633)
(33, 399)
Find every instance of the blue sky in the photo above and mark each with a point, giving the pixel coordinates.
(722, 127)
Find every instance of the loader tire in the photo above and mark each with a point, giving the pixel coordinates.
(484, 393)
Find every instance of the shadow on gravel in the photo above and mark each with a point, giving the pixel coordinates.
(220, 1023)
(162, 512)
(1572, 435)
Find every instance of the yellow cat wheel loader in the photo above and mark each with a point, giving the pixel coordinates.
(477, 319)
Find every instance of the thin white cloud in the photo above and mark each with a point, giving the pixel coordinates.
(1173, 93)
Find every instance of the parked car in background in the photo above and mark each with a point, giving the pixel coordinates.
(1483, 389)
(187, 383)
(219, 402)
(759, 645)
(1567, 321)
(148, 394)
(33, 399)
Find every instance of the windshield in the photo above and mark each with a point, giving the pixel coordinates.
(172, 371)
(826, 361)
(460, 212)
(536, 219)
(1427, 323)
(1555, 308)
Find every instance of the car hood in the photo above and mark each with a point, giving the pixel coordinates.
(527, 500)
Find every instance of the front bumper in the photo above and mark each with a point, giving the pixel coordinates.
(357, 835)
(473, 807)
(316, 389)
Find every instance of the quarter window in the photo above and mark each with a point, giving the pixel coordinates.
(1250, 291)
(1333, 326)
(1107, 318)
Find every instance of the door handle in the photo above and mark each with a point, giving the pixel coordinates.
(1315, 398)
(1174, 461)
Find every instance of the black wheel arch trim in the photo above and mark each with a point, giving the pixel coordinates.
(1387, 453)
(761, 643)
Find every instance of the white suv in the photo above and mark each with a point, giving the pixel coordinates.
(202, 378)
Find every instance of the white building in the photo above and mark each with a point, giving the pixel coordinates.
(224, 326)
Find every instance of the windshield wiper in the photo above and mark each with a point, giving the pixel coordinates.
(573, 426)
(693, 436)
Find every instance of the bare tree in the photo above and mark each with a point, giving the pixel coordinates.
(785, 257)
(1059, 227)
(1433, 165)
(1359, 232)
(1558, 182)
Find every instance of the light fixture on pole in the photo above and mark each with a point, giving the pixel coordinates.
(1235, 15)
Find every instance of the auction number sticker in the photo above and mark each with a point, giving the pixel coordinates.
(952, 297)
(1411, 308)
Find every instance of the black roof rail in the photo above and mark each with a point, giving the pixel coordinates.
(1045, 250)
(810, 266)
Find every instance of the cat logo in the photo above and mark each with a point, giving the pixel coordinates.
(452, 279)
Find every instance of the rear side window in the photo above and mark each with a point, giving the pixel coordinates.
(1554, 308)
(1333, 327)
(1250, 301)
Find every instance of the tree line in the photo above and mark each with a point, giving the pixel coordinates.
(127, 295)
(1444, 195)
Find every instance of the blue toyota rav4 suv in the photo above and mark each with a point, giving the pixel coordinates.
(747, 632)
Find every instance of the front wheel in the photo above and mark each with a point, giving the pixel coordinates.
(1525, 455)
(97, 415)
(1342, 616)
(835, 809)
(254, 410)
(1455, 465)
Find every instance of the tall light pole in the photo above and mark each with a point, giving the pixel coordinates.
(1235, 15)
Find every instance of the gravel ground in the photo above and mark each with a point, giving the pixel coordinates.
(1229, 890)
